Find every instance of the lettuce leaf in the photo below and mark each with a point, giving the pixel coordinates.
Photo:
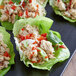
(6, 39)
(40, 21)
(44, 25)
(56, 10)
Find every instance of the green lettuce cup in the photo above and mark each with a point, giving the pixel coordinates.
(67, 12)
(6, 41)
(11, 11)
(60, 53)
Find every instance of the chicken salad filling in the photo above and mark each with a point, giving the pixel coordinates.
(41, 1)
(11, 11)
(67, 7)
(36, 47)
(4, 54)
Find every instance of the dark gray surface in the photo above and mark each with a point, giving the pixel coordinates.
(68, 33)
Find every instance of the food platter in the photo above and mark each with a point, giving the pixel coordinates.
(67, 31)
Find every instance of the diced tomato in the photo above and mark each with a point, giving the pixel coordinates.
(30, 1)
(35, 42)
(39, 44)
(27, 36)
(20, 13)
(1, 6)
(44, 34)
(13, 7)
(69, 6)
(40, 38)
(10, 2)
(33, 61)
(20, 2)
(62, 46)
(27, 16)
(58, 0)
(22, 29)
(45, 38)
(33, 52)
(36, 13)
(37, 6)
(46, 56)
(6, 54)
(22, 37)
(70, 3)
(38, 61)
(31, 35)
(31, 56)
(23, 4)
(33, 48)
(38, 50)
(7, 12)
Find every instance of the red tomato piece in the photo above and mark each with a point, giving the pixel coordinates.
(44, 34)
(37, 6)
(31, 35)
(40, 38)
(33, 48)
(27, 37)
(35, 42)
(22, 29)
(58, 0)
(33, 61)
(7, 12)
(30, 1)
(62, 46)
(70, 3)
(10, 2)
(33, 52)
(31, 56)
(23, 4)
(27, 16)
(20, 13)
(22, 37)
(6, 54)
(36, 13)
(13, 7)
(46, 56)
(38, 61)
(38, 50)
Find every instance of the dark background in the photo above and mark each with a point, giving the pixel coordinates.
(68, 34)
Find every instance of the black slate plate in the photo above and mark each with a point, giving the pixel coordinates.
(68, 33)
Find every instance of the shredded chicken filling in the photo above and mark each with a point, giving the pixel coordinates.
(67, 8)
(4, 55)
(11, 11)
(35, 47)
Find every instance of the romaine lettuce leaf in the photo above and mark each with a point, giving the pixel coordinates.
(6, 39)
(44, 25)
(56, 10)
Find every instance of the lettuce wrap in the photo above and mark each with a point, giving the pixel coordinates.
(58, 12)
(8, 24)
(43, 25)
(6, 40)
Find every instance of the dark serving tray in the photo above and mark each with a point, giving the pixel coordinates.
(68, 34)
